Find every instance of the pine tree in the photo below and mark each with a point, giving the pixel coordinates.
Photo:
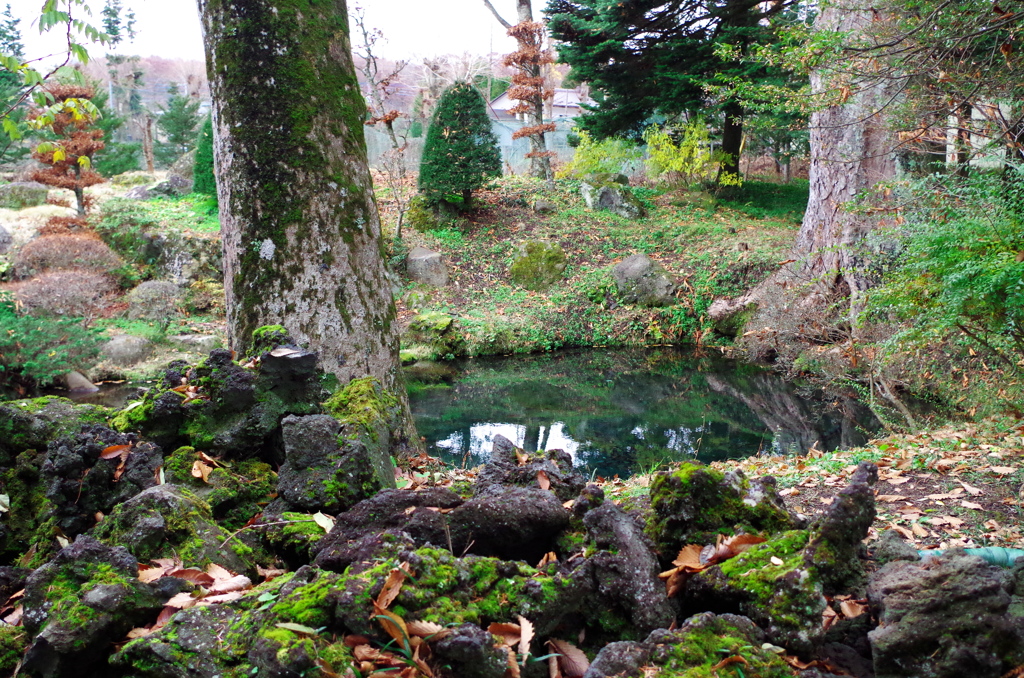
(203, 177)
(178, 122)
(461, 152)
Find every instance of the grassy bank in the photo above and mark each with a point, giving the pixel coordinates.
(711, 247)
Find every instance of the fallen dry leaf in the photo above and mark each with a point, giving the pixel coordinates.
(201, 469)
(852, 608)
(197, 577)
(1002, 470)
(918, 530)
(237, 583)
(392, 586)
(543, 481)
(888, 498)
(392, 624)
(140, 632)
(324, 521)
(425, 629)
(510, 634)
(571, 659)
(181, 601)
(524, 644)
(114, 451)
(776, 561)
(971, 505)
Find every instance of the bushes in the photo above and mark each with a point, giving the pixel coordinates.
(955, 266)
(42, 349)
(608, 156)
(65, 251)
(74, 293)
(203, 177)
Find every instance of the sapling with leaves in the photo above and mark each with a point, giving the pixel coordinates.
(69, 156)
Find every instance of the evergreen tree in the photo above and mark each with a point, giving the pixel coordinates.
(461, 152)
(178, 122)
(203, 176)
(646, 57)
(115, 157)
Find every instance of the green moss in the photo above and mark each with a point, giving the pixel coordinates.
(694, 503)
(14, 641)
(267, 338)
(363, 406)
(178, 466)
(694, 652)
(538, 265)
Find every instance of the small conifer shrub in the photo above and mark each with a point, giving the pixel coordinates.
(461, 153)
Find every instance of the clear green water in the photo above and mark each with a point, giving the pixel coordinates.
(623, 412)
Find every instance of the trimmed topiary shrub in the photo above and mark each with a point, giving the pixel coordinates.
(461, 153)
(64, 252)
(73, 293)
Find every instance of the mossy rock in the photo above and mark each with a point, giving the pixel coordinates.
(436, 331)
(772, 584)
(33, 423)
(234, 490)
(695, 503)
(237, 412)
(246, 636)
(168, 521)
(538, 265)
(76, 603)
(704, 640)
(14, 641)
(20, 528)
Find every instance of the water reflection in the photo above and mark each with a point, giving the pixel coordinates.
(619, 412)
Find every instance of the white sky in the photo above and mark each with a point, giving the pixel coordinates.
(412, 28)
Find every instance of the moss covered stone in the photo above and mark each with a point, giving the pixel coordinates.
(13, 642)
(703, 641)
(538, 264)
(32, 423)
(169, 521)
(694, 504)
(432, 335)
(771, 584)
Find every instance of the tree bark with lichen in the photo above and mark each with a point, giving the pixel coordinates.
(301, 232)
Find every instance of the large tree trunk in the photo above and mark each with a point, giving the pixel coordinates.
(851, 152)
(302, 244)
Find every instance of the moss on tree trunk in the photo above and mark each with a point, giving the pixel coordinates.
(301, 232)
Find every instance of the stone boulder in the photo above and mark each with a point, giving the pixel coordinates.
(238, 410)
(154, 300)
(80, 601)
(426, 267)
(22, 194)
(836, 546)
(694, 649)
(504, 468)
(728, 316)
(643, 281)
(184, 166)
(417, 514)
(137, 193)
(172, 186)
(201, 343)
(515, 523)
(538, 264)
(694, 503)
(471, 653)
(626, 570)
(943, 617)
(169, 521)
(605, 192)
(321, 473)
(771, 584)
(126, 349)
(33, 423)
(431, 336)
(541, 206)
(79, 483)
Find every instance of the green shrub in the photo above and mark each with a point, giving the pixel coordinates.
(461, 152)
(955, 266)
(607, 156)
(43, 349)
(681, 155)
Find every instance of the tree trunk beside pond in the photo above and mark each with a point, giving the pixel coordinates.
(301, 231)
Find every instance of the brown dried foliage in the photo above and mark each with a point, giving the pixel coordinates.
(78, 293)
(67, 251)
(534, 129)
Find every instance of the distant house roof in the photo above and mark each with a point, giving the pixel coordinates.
(565, 104)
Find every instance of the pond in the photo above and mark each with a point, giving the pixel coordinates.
(627, 411)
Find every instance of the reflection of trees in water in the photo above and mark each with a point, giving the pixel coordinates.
(797, 423)
(625, 409)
